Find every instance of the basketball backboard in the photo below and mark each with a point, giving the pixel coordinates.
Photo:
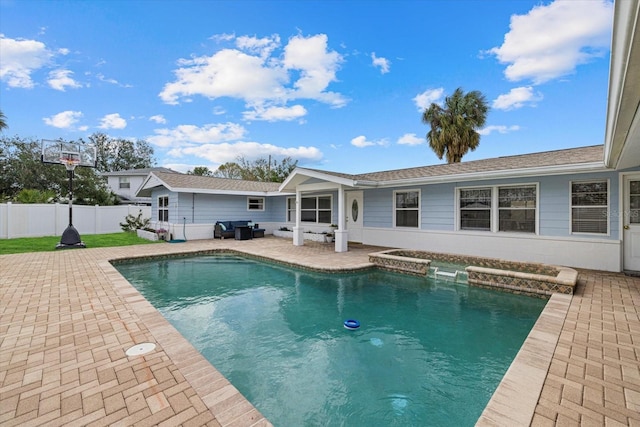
(60, 152)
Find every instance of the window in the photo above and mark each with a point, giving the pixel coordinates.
(517, 209)
(512, 208)
(312, 209)
(124, 182)
(475, 209)
(255, 203)
(407, 208)
(163, 208)
(589, 207)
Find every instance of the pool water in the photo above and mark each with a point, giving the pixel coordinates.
(426, 353)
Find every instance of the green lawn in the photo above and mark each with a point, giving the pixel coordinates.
(44, 244)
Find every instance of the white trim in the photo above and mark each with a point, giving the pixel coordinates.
(407, 190)
(608, 206)
(263, 203)
(316, 196)
(167, 208)
(494, 226)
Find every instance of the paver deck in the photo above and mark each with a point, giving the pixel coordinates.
(67, 318)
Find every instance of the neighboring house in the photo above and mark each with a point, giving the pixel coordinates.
(577, 207)
(126, 183)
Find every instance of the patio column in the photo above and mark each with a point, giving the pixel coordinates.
(342, 235)
(298, 238)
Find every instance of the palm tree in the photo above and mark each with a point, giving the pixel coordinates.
(3, 122)
(454, 126)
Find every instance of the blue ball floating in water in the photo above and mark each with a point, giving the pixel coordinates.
(351, 324)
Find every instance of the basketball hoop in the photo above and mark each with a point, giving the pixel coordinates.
(69, 162)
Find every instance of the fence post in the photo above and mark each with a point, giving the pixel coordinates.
(55, 219)
(9, 220)
(96, 218)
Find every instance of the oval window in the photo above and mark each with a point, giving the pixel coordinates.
(354, 210)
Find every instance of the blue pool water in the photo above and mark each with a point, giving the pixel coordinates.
(426, 353)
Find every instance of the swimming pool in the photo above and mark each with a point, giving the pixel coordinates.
(427, 352)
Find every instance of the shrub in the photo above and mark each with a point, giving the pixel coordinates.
(132, 223)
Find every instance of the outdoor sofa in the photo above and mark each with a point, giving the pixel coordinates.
(227, 229)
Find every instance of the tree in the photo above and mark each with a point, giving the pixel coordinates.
(454, 128)
(3, 122)
(264, 170)
(200, 171)
(21, 169)
(121, 154)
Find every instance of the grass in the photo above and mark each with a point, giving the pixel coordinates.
(45, 244)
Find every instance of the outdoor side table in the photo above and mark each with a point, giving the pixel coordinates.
(243, 233)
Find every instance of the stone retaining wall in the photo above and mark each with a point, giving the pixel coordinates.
(511, 276)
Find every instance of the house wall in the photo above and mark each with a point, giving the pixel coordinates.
(193, 216)
(554, 243)
(129, 193)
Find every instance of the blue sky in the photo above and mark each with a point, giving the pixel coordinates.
(336, 85)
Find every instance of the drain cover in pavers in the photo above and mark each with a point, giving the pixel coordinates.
(140, 349)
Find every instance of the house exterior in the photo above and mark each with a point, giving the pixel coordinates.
(576, 207)
(190, 205)
(127, 182)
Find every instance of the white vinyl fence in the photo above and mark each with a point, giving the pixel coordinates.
(34, 220)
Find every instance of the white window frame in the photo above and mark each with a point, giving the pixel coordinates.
(495, 207)
(458, 208)
(608, 207)
(418, 208)
(535, 209)
(259, 202)
(291, 211)
(163, 208)
(124, 180)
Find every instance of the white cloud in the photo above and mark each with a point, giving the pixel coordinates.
(274, 114)
(224, 37)
(383, 63)
(112, 121)
(498, 128)
(190, 134)
(112, 81)
(425, 99)
(229, 152)
(261, 73)
(229, 73)
(410, 139)
(60, 79)
(158, 118)
(63, 120)
(516, 98)
(20, 58)
(552, 40)
(362, 142)
(317, 67)
(218, 110)
(262, 47)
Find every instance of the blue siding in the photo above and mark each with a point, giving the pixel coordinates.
(209, 208)
(438, 207)
(554, 210)
(378, 208)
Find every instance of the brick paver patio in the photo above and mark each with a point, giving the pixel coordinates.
(67, 318)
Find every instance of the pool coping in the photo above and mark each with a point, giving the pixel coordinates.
(513, 402)
(226, 403)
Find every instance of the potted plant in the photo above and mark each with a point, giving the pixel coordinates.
(162, 233)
